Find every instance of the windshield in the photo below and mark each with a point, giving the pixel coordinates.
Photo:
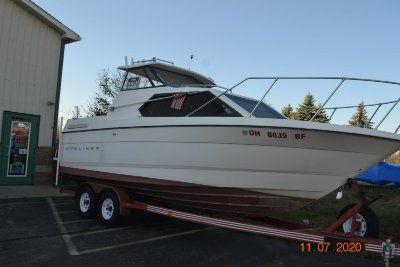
(134, 81)
(262, 111)
(150, 76)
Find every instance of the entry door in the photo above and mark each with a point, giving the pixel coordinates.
(19, 139)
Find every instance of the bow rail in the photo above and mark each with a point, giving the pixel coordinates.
(341, 80)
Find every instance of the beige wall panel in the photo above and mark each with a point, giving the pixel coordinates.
(29, 58)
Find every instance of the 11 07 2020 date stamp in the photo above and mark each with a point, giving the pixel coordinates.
(332, 247)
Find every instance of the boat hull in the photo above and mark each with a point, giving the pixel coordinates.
(278, 169)
(191, 197)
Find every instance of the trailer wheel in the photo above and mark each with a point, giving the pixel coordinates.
(87, 200)
(366, 217)
(108, 211)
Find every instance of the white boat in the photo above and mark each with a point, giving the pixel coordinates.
(172, 137)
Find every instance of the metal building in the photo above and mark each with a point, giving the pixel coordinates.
(31, 58)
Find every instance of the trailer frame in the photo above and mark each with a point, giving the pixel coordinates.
(303, 233)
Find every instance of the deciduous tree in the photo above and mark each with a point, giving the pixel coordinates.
(110, 84)
(76, 112)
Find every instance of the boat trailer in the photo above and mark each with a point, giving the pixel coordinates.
(115, 202)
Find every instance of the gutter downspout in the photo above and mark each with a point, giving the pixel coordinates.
(57, 104)
(58, 93)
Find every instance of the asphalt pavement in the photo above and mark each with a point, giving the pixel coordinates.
(23, 191)
(47, 230)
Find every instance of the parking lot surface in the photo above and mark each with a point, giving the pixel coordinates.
(48, 231)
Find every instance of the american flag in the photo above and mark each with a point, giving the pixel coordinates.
(177, 101)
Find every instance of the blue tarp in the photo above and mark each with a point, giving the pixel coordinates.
(383, 173)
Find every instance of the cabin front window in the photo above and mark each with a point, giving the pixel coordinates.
(182, 104)
(134, 81)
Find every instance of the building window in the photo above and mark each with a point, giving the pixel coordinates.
(181, 104)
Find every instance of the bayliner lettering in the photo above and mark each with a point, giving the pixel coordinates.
(81, 148)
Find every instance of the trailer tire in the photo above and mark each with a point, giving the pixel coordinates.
(108, 211)
(368, 219)
(87, 201)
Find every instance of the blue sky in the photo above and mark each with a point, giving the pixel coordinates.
(231, 40)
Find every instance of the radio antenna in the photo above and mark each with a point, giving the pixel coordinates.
(190, 62)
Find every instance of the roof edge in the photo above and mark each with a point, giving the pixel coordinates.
(68, 35)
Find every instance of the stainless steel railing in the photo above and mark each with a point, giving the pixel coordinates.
(342, 80)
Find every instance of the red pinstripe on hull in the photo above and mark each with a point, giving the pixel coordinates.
(191, 197)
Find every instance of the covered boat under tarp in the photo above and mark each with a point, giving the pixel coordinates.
(381, 174)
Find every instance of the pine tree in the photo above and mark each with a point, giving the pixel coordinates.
(287, 111)
(321, 117)
(360, 118)
(307, 110)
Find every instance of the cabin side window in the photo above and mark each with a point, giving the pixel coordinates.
(181, 104)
